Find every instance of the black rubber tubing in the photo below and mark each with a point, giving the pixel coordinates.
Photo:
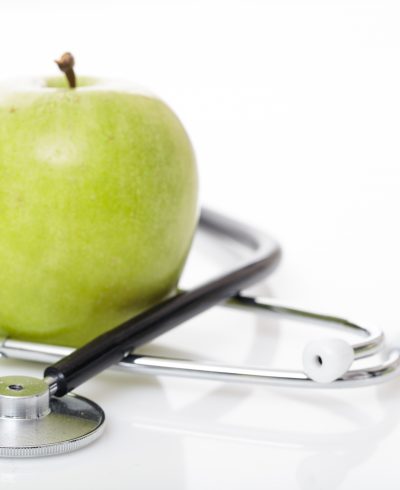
(114, 345)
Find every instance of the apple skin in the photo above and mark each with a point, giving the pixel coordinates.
(98, 207)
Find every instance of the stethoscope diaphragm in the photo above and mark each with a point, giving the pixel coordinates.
(32, 423)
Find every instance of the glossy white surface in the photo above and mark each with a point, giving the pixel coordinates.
(293, 110)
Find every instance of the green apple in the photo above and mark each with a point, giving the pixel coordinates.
(98, 206)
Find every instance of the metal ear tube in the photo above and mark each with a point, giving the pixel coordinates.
(41, 417)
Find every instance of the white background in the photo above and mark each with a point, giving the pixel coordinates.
(293, 109)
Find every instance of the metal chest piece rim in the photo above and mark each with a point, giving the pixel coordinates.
(32, 423)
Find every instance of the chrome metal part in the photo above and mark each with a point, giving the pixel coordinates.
(372, 343)
(23, 397)
(33, 424)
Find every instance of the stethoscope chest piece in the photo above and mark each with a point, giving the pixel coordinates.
(33, 423)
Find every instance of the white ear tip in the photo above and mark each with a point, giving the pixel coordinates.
(326, 360)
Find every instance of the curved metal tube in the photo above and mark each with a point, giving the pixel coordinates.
(364, 348)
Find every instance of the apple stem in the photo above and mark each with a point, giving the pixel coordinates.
(66, 64)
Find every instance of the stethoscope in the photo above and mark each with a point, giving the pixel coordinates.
(40, 417)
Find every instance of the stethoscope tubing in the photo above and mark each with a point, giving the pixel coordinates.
(152, 365)
(114, 345)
